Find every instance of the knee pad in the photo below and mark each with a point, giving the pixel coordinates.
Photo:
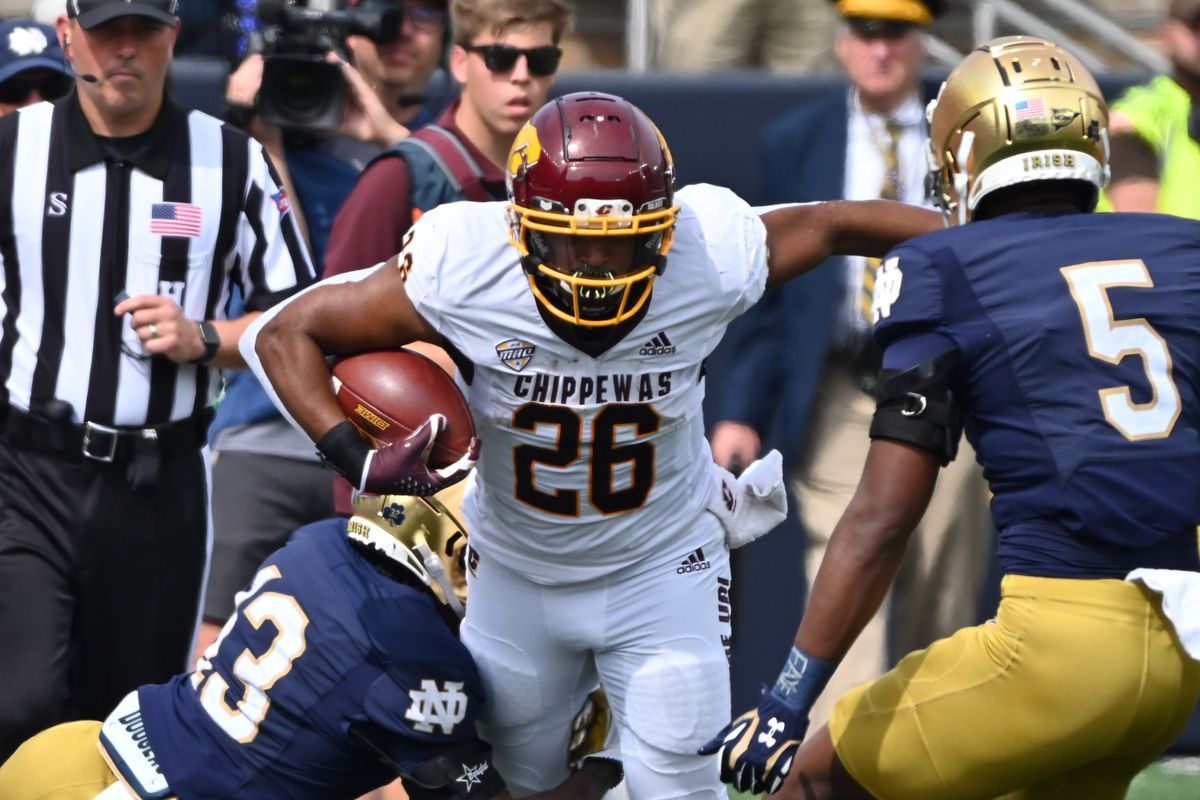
(679, 699)
(510, 678)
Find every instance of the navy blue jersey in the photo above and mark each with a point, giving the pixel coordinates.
(1079, 337)
(321, 642)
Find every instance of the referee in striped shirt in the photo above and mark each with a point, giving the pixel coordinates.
(124, 220)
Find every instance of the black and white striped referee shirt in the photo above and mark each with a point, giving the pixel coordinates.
(190, 208)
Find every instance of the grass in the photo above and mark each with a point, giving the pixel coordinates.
(1169, 779)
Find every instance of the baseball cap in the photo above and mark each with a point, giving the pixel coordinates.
(26, 44)
(887, 17)
(96, 12)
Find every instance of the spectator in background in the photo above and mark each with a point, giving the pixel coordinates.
(863, 143)
(1156, 127)
(32, 68)
(267, 480)
(504, 57)
(715, 35)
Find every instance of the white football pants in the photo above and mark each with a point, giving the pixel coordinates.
(655, 635)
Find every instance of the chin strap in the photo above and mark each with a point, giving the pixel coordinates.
(437, 572)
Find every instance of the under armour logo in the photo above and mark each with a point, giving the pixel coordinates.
(472, 775)
(768, 737)
(887, 288)
(431, 707)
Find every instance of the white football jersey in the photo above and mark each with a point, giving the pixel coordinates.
(587, 464)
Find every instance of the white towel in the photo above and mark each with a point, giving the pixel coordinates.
(1180, 592)
(116, 791)
(752, 503)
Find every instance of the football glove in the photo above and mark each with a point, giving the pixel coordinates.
(399, 468)
(757, 749)
(589, 729)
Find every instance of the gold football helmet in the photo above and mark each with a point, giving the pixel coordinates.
(418, 534)
(1016, 109)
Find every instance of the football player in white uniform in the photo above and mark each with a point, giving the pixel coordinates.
(581, 355)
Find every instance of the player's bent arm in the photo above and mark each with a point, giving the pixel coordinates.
(867, 546)
(799, 237)
(351, 313)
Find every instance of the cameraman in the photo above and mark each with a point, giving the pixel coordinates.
(266, 479)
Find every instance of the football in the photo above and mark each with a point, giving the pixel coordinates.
(387, 394)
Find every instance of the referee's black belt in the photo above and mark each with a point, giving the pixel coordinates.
(104, 443)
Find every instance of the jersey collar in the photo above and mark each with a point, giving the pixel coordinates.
(86, 148)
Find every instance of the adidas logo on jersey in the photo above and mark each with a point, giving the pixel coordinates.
(695, 562)
(658, 346)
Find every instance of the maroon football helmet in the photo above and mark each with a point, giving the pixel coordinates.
(591, 165)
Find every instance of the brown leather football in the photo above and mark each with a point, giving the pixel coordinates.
(389, 393)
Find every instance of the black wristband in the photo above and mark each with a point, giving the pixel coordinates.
(344, 450)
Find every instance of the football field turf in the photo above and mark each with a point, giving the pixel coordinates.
(1169, 779)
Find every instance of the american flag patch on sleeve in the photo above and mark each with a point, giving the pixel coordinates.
(175, 219)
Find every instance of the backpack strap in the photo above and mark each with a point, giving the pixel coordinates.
(453, 159)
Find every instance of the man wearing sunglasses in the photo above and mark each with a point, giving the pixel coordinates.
(32, 68)
(504, 57)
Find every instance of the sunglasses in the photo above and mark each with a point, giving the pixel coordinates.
(18, 88)
(501, 58)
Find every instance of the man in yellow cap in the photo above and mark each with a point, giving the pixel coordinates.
(863, 141)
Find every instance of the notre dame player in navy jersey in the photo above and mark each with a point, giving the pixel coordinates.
(340, 668)
(1067, 345)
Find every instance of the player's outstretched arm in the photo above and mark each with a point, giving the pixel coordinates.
(800, 237)
(757, 749)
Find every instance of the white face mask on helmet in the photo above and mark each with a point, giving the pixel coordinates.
(417, 533)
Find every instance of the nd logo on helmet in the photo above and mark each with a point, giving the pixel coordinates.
(526, 150)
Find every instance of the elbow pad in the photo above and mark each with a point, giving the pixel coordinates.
(918, 407)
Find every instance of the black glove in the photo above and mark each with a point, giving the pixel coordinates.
(757, 748)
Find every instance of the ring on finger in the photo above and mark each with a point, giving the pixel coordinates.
(153, 331)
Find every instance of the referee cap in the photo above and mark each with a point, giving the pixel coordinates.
(25, 44)
(887, 17)
(96, 12)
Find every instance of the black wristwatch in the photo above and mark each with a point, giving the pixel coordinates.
(211, 340)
